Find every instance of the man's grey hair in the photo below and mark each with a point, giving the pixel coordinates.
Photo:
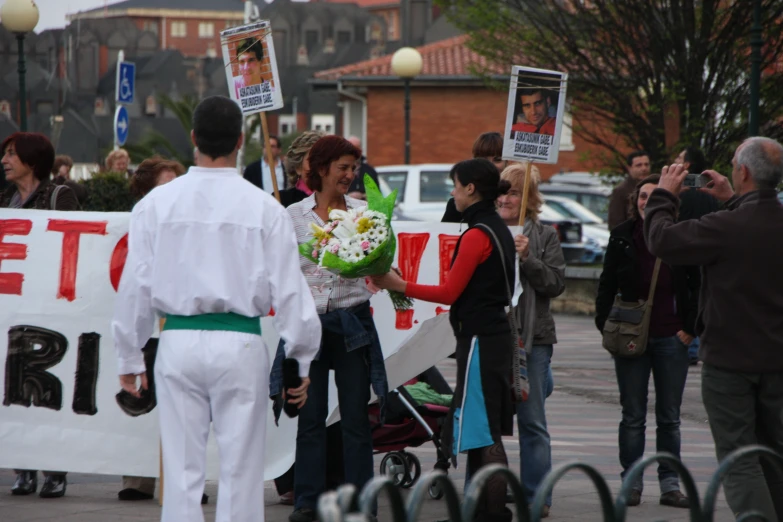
(763, 157)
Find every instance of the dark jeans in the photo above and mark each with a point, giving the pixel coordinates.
(334, 463)
(667, 359)
(351, 374)
(745, 409)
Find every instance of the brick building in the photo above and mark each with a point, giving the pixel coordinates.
(450, 107)
(189, 26)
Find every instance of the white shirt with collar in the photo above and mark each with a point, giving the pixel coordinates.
(331, 292)
(210, 242)
(266, 176)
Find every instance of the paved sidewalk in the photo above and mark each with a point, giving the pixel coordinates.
(583, 415)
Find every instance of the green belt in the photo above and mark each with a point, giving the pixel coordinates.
(229, 322)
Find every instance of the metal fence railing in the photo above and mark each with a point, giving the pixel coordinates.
(346, 505)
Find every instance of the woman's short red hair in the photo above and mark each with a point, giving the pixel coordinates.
(326, 151)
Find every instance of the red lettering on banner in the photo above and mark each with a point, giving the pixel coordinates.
(411, 247)
(117, 262)
(11, 283)
(446, 246)
(70, 253)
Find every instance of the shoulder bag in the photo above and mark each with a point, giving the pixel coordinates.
(627, 328)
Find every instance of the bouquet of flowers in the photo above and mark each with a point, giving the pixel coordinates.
(358, 242)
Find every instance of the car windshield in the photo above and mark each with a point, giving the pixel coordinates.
(436, 186)
(390, 181)
(575, 210)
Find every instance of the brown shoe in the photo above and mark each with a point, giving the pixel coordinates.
(545, 511)
(635, 498)
(675, 499)
(287, 499)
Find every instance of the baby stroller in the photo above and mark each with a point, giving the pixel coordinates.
(409, 425)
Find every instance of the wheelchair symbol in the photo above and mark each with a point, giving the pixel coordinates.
(125, 87)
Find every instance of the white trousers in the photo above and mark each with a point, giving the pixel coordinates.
(222, 376)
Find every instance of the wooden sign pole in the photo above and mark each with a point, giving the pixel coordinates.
(270, 159)
(525, 193)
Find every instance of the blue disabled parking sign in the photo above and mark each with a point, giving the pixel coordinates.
(126, 79)
(121, 125)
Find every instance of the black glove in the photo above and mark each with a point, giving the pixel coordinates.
(291, 380)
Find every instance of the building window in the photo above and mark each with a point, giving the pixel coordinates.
(323, 122)
(286, 124)
(179, 29)
(151, 26)
(206, 30)
(311, 39)
(391, 24)
(343, 37)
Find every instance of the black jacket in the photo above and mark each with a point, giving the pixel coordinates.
(621, 273)
(254, 174)
(451, 215)
(358, 182)
(481, 307)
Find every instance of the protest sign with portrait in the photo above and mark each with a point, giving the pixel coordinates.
(534, 117)
(251, 68)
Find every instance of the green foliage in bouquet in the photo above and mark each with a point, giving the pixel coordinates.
(377, 262)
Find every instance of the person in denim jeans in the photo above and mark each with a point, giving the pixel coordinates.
(541, 278)
(350, 344)
(628, 269)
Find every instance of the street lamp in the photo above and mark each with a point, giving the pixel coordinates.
(20, 17)
(407, 64)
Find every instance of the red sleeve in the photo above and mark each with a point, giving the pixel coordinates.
(475, 248)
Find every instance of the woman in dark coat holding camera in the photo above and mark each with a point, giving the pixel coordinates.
(476, 289)
(628, 270)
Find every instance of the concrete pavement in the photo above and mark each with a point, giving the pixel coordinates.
(583, 414)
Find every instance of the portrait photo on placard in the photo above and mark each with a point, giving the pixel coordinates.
(251, 68)
(534, 115)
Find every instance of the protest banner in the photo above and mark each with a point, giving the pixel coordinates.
(534, 116)
(59, 272)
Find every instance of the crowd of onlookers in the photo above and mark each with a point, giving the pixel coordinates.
(709, 256)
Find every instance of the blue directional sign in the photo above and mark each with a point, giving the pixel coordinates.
(126, 82)
(121, 125)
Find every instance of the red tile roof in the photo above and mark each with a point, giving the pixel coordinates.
(445, 58)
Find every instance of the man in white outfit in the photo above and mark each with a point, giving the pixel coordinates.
(211, 254)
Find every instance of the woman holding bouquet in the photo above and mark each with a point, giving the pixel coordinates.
(350, 344)
(477, 290)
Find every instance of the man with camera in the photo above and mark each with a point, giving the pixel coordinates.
(741, 305)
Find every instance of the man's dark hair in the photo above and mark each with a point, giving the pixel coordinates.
(530, 91)
(251, 45)
(273, 137)
(636, 154)
(488, 145)
(695, 157)
(217, 126)
(484, 175)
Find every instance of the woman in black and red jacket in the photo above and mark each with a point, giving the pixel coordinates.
(477, 293)
(628, 270)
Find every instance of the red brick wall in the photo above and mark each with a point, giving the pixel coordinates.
(191, 44)
(444, 123)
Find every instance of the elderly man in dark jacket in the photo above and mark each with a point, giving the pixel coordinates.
(741, 306)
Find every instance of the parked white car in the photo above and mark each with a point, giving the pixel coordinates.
(424, 189)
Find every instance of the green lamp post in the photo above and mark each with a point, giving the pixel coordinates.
(20, 17)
